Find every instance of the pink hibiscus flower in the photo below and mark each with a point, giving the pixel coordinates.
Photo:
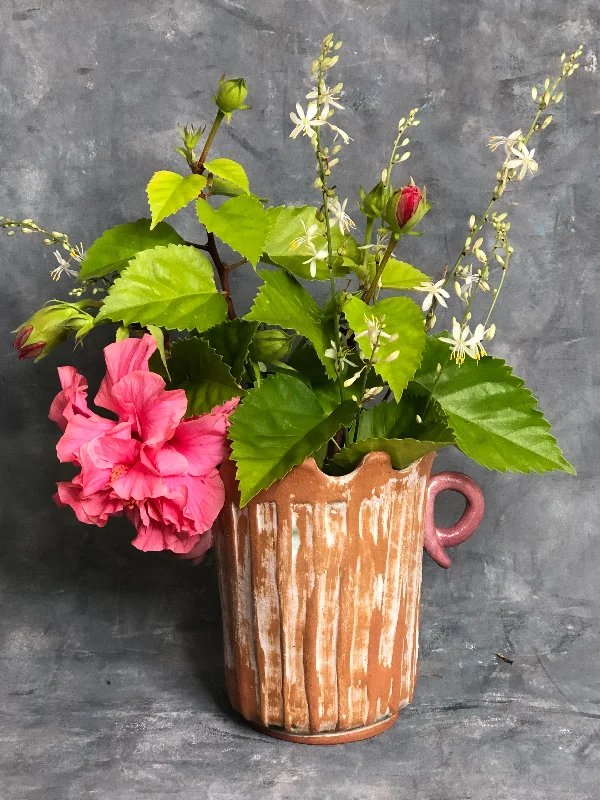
(149, 463)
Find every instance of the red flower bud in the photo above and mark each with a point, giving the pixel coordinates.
(31, 350)
(22, 336)
(408, 201)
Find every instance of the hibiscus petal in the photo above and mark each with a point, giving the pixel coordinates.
(72, 399)
(139, 483)
(79, 431)
(206, 496)
(155, 412)
(94, 510)
(163, 537)
(107, 452)
(198, 552)
(128, 355)
(203, 442)
(169, 461)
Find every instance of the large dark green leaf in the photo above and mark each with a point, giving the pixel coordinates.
(278, 425)
(493, 415)
(198, 369)
(172, 287)
(231, 339)
(114, 249)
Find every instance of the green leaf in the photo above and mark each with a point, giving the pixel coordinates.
(493, 415)
(230, 171)
(241, 222)
(231, 339)
(172, 287)
(198, 369)
(416, 416)
(279, 425)
(287, 224)
(401, 317)
(400, 275)
(159, 338)
(168, 192)
(282, 301)
(225, 188)
(402, 453)
(114, 249)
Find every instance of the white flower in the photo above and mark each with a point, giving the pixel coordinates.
(433, 290)
(305, 122)
(374, 331)
(340, 217)
(331, 352)
(339, 132)
(327, 96)
(523, 159)
(77, 253)
(315, 255)
(309, 235)
(380, 244)
(63, 267)
(464, 342)
(508, 142)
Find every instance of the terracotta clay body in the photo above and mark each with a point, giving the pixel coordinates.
(320, 581)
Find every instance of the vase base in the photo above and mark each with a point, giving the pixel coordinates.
(329, 737)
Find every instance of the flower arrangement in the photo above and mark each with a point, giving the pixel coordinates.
(189, 383)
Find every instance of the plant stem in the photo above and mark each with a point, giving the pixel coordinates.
(381, 266)
(368, 236)
(222, 272)
(199, 166)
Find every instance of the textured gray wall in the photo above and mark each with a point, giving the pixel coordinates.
(111, 669)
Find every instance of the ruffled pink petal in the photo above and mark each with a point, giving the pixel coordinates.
(205, 498)
(198, 552)
(169, 461)
(72, 399)
(79, 431)
(155, 413)
(108, 452)
(128, 355)
(203, 442)
(139, 482)
(94, 510)
(92, 478)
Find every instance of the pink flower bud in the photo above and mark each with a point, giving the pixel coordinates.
(31, 350)
(408, 201)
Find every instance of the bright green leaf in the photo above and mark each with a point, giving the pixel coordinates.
(230, 171)
(159, 338)
(231, 339)
(279, 425)
(241, 222)
(198, 369)
(401, 318)
(168, 192)
(493, 415)
(282, 301)
(400, 275)
(290, 223)
(114, 249)
(172, 287)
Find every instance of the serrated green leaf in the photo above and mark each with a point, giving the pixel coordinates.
(401, 317)
(282, 301)
(230, 171)
(277, 426)
(168, 192)
(117, 246)
(400, 275)
(289, 223)
(241, 222)
(198, 369)
(493, 415)
(416, 416)
(403, 452)
(231, 339)
(172, 287)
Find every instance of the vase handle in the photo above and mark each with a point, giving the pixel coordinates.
(436, 539)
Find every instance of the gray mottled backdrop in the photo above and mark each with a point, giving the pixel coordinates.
(111, 668)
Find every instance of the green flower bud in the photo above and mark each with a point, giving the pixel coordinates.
(231, 95)
(373, 203)
(271, 345)
(49, 327)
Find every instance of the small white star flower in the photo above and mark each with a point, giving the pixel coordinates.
(315, 255)
(309, 235)
(305, 123)
(339, 132)
(433, 290)
(340, 218)
(523, 160)
(327, 96)
(380, 244)
(508, 142)
(64, 267)
(77, 253)
(464, 343)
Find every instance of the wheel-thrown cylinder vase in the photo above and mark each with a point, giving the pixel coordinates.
(320, 582)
